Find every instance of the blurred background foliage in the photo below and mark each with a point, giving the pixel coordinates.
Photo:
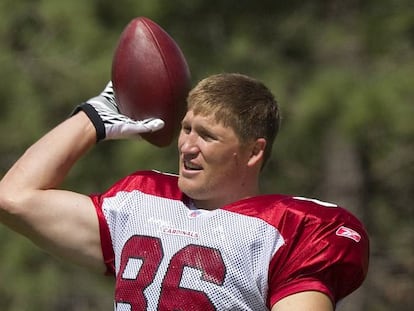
(343, 72)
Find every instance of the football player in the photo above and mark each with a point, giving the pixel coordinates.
(204, 239)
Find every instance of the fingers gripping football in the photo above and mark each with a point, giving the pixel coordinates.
(109, 123)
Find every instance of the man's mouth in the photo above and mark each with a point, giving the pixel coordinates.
(191, 166)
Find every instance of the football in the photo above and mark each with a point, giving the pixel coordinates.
(151, 78)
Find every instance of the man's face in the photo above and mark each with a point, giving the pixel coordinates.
(212, 161)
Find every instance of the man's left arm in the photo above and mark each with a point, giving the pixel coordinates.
(304, 301)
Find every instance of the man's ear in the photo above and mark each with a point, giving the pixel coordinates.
(257, 152)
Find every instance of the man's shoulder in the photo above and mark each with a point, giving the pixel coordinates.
(285, 211)
(317, 234)
(279, 204)
(150, 182)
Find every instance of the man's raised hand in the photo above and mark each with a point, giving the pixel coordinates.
(109, 123)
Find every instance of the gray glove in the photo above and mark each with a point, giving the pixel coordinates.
(109, 123)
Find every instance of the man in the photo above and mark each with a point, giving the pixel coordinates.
(203, 240)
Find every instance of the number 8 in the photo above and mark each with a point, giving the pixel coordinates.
(140, 261)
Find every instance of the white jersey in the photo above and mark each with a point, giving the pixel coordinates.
(166, 255)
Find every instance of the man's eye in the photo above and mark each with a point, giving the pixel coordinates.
(207, 136)
(186, 129)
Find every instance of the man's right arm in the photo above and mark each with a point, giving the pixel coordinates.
(63, 223)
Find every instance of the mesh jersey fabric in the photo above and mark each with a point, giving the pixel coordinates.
(244, 256)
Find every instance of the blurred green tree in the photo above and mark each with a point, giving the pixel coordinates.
(342, 71)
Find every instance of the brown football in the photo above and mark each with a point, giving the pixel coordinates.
(151, 78)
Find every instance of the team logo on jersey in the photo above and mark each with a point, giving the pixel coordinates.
(181, 232)
(166, 227)
(348, 233)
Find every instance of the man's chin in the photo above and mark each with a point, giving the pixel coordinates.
(188, 188)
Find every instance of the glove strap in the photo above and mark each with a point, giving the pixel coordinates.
(93, 115)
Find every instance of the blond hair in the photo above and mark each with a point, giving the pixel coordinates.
(241, 102)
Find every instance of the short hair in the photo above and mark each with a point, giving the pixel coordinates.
(241, 102)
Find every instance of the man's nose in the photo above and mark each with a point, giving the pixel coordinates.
(189, 143)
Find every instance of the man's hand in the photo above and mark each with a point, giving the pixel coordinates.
(109, 123)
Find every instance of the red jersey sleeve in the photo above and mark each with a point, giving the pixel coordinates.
(106, 242)
(326, 249)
